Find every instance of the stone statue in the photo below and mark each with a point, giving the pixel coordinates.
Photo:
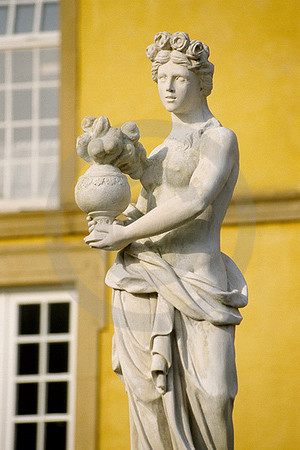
(175, 295)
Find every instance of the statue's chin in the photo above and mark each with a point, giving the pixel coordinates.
(170, 107)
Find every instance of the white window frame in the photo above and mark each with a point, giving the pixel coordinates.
(9, 302)
(30, 41)
(12, 13)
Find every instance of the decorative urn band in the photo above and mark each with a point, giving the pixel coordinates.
(103, 191)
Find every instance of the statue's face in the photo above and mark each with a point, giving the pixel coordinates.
(179, 88)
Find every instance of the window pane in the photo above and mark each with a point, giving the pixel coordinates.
(1, 143)
(29, 319)
(48, 141)
(58, 357)
(26, 400)
(1, 66)
(25, 436)
(2, 106)
(56, 397)
(55, 437)
(22, 142)
(47, 182)
(50, 19)
(21, 181)
(22, 65)
(48, 103)
(22, 104)
(24, 19)
(3, 19)
(28, 359)
(58, 316)
(49, 64)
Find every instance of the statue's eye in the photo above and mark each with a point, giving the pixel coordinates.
(162, 77)
(180, 78)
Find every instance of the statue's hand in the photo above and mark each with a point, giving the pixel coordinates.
(111, 237)
(91, 223)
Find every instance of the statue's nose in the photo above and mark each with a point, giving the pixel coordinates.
(170, 85)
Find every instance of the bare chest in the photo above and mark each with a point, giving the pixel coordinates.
(172, 166)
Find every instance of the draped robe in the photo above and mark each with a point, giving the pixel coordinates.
(173, 322)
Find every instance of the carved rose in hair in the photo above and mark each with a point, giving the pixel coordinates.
(195, 49)
(180, 41)
(206, 49)
(151, 52)
(162, 40)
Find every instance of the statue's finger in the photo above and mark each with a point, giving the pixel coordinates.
(98, 245)
(102, 228)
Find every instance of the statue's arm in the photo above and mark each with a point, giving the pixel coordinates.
(219, 154)
(137, 210)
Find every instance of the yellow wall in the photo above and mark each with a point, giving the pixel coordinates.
(266, 411)
(253, 47)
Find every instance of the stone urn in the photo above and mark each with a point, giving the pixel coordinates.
(103, 193)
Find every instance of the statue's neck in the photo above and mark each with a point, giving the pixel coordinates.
(184, 123)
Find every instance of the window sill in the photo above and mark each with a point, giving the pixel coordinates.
(42, 223)
(30, 40)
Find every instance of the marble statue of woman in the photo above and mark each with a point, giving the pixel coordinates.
(175, 295)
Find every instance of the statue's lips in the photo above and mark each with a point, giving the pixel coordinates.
(169, 98)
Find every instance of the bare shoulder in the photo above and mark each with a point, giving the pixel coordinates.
(221, 140)
(222, 135)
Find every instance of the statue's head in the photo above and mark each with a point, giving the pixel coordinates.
(179, 49)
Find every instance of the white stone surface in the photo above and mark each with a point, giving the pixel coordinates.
(176, 296)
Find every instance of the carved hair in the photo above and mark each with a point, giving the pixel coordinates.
(179, 49)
